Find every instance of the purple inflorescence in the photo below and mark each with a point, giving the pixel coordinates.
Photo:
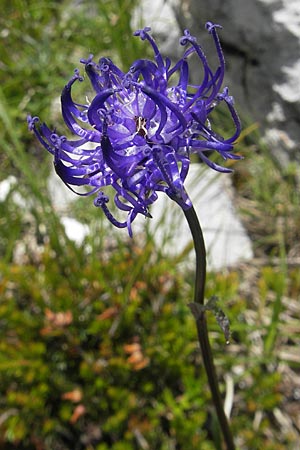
(140, 128)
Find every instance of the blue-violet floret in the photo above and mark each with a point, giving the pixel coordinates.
(138, 131)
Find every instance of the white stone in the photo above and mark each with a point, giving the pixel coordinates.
(289, 16)
(6, 186)
(61, 195)
(75, 230)
(276, 113)
(290, 89)
(160, 16)
(225, 238)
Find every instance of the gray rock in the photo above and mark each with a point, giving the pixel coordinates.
(261, 42)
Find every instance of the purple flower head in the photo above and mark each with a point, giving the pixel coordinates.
(138, 131)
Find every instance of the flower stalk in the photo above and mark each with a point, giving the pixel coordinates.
(201, 323)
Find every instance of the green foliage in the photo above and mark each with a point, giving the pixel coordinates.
(101, 352)
(78, 346)
(269, 201)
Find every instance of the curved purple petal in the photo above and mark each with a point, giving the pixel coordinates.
(138, 130)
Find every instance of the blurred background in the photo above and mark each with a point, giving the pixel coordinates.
(98, 349)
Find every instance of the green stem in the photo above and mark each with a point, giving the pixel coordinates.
(201, 323)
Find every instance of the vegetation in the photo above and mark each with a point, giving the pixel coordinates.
(98, 349)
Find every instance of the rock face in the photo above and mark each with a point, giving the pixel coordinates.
(261, 42)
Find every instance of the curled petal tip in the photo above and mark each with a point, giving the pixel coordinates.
(187, 38)
(105, 64)
(142, 33)
(210, 26)
(87, 61)
(31, 121)
(225, 96)
(101, 199)
(77, 75)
